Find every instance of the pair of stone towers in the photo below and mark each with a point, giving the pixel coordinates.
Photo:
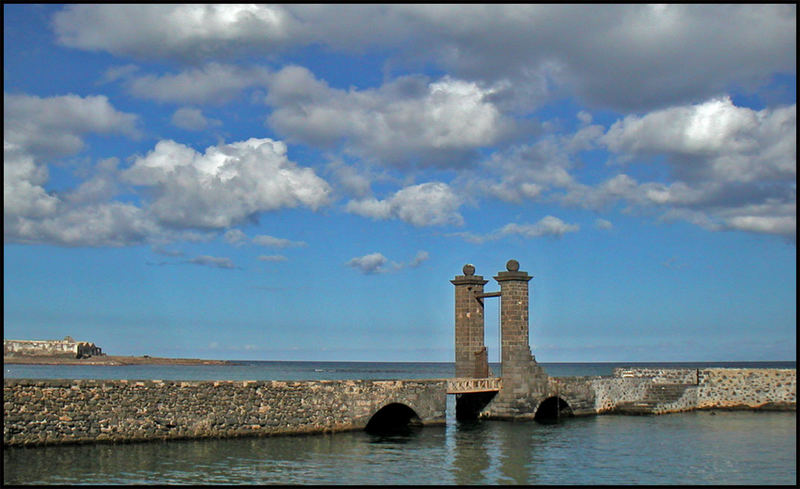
(471, 354)
(523, 378)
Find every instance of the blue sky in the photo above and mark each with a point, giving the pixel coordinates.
(301, 182)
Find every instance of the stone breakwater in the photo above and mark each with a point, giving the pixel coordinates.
(661, 391)
(747, 388)
(47, 412)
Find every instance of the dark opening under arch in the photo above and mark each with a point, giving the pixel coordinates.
(469, 405)
(551, 410)
(394, 418)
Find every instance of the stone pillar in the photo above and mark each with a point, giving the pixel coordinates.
(471, 355)
(524, 381)
(515, 344)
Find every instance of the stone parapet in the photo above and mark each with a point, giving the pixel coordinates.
(659, 375)
(746, 388)
(661, 391)
(45, 412)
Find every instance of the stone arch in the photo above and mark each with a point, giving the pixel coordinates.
(393, 418)
(552, 409)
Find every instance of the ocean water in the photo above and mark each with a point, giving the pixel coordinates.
(267, 370)
(758, 448)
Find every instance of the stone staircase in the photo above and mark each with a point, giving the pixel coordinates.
(655, 398)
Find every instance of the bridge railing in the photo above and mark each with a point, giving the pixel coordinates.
(467, 385)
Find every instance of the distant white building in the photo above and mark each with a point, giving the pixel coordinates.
(66, 346)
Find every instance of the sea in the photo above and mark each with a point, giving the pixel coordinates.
(702, 447)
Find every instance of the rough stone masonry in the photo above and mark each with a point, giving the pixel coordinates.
(46, 412)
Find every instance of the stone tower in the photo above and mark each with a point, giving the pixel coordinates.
(515, 346)
(471, 356)
(524, 381)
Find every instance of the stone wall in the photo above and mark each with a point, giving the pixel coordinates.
(659, 391)
(747, 388)
(659, 375)
(42, 412)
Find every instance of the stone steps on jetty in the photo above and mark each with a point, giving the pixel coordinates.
(656, 396)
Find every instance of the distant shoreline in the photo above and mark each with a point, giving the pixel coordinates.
(116, 360)
(112, 360)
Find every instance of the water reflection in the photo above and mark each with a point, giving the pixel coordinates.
(471, 459)
(693, 448)
(517, 447)
(400, 437)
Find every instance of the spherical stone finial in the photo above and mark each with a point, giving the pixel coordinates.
(469, 269)
(512, 266)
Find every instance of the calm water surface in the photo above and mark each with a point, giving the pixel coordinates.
(688, 448)
(265, 370)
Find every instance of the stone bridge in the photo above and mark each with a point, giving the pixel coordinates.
(42, 412)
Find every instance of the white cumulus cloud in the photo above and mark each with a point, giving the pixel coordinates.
(634, 57)
(108, 224)
(23, 193)
(266, 240)
(377, 263)
(192, 119)
(189, 31)
(213, 83)
(547, 226)
(426, 204)
(213, 261)
(600, 223)
(408, 118)
(419, 258)
(37, 129)
(234, 236)
(714, 139)
(271, 258)
(226, 184)
(367, 264)
(55, 126)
